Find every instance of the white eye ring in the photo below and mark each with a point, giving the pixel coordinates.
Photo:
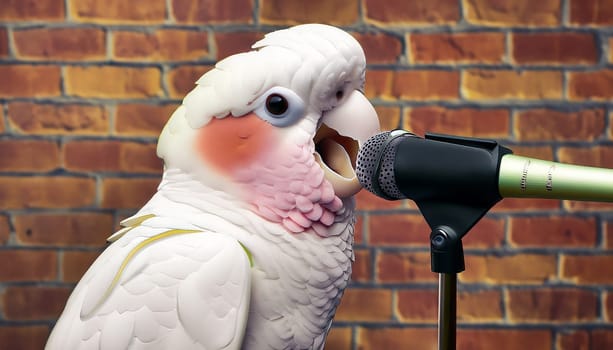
(279, 106)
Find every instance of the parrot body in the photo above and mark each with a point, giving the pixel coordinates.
(247, 243)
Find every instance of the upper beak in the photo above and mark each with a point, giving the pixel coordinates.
(343, 131)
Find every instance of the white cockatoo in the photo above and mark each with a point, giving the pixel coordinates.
(247, 243)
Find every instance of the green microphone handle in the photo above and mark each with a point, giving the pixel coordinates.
(526, 177)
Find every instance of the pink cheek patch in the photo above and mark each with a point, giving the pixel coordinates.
(233, 142)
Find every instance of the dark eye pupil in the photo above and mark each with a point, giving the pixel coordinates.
(276, 104)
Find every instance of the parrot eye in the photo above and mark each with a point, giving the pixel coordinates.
(279, 106)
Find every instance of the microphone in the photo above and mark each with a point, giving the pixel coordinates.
(398, 164)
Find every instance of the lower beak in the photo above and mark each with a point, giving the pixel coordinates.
(343, 131)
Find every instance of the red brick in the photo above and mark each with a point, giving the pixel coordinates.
(503, 339)
(549, 124)
(182, 80)
(142, 119)
(362, 266)
(30, 81)
(118, 11)
(18, 10)
(160, 45)
(76, 229)
(34, 303)
(404, 267)
(44, 119)
(29, 155)
(111, 156)
(412, 84)
(487, 233)
(230, 43)
(368, 201)
(380, 48)
(597, 156)
(497, 13)
(608, 306)
(610, 50)
(5, 229)
(353, 308)
(339, 338)
(509, 269)
(398, 230)
(419, 11)
(484, 84)
(538, 152)
(23, 337)
(113, 82)
(572, 340)
(46, 192)
(587, 269)
(574, 206)
(358, 230)
(595, 85)
(28, 265)
(127, 193)
(479, 306)
(389, 117)
(4, 42)
(417, 305)
(597, 12)
(525, 205)
(60, 43)
(553, 231)
(457, 47)
(554, 48)
(554, 305)
(396, 338)
(75, 263)
(208, 11)
(608, 225)
(491, 123)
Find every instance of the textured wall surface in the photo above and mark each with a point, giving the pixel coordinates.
(86, 86)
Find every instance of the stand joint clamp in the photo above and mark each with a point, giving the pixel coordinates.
(447, 254)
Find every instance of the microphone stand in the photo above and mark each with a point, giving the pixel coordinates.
(457, 186)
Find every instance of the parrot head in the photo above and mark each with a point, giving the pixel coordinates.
(278, 127)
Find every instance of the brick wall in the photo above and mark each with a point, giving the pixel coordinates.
(85, 87)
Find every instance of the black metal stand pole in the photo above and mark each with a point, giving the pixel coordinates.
(447, 305)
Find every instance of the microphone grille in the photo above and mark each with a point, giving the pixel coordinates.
(378, 154)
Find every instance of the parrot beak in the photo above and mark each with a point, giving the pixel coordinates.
(343, 131)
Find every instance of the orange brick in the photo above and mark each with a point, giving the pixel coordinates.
(412, 84)
(525, 205)
(483, 84)
(111, 156)
(597, 156)
(161, 45)
(549, 124)
(597, 12)
(34, 303)
(46, 192)
(458, 121)
(594, 85)
(380, 48)
(205, 11)
(113, 82)
(182, 80)
(29, 155)
(127, 193)
(230, 43)
(75, 263)
(23, 337)
(341, 12)
(587, 269)
(479, 306)
(419, 11)
(457, 47)
(5, 229)
(573, 206)
(339, 338)
(76, 229)
(503, 339)
(610, 50)
(554, 48)
(544, 13)
(44, 119)
(404, 267)
(118, 11)
(487, 233)
(556, 305)
(142, 119)
(417, 305)
(398, 229)
(353, 307)
(362, 266)
(30, 81)
(60, 43)
(553, 231)
(396, 338)
(368, 201)
(4, 42)
(389, 117)
(47, 10)
(509, 269)
(28, 265)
